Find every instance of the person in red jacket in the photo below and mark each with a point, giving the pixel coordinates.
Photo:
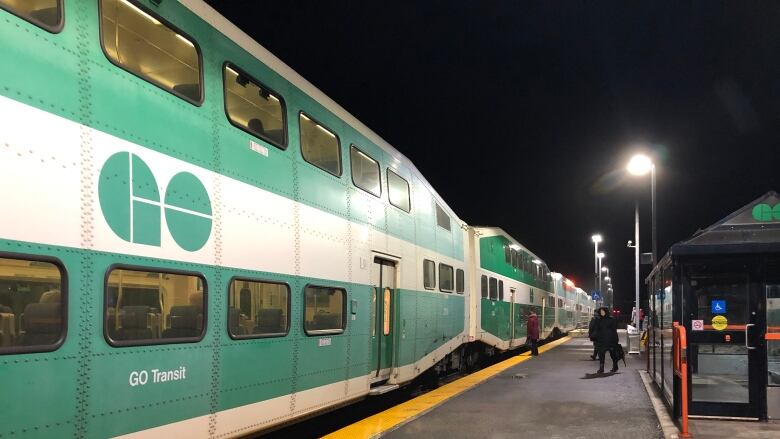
(533, 333)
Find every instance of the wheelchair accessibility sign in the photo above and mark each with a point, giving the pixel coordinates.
(718, 307)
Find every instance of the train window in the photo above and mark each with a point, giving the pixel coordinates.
(560, 303)
(153, 307)
(139, 42)
(460, 281)
(507, 254)
(514, 258)
(32, 306)
(429, 274)
(365, 171)
(442, 219)
(493, 288)
(320, 146)
(398, 191)
(254, 107)
(501, 290)
(324, 310)
(484, 286)
(44, 13)
(445, 278)
(258, 308)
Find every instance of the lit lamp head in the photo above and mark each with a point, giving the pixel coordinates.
(601, 255)
(596, 238)
(639, 164)
(607, 278)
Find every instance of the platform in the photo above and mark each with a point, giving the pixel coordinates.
(554, 395)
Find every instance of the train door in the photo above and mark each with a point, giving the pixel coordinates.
(772, 337)
(383, 276)
(725, 352)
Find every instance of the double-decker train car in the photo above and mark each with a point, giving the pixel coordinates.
(513, 283)
(195, 241)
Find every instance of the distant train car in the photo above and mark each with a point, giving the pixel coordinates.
(513, 282)
(195, 241)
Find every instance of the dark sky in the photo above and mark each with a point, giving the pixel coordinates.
(523, 114)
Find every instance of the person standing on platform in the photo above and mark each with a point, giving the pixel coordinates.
(641, 317)
(533, 333)
(633, 315)
(606, 339)
(592, 332)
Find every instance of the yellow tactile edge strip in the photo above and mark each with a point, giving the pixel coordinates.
(392, 418)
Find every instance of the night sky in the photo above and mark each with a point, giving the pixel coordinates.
(523, 114)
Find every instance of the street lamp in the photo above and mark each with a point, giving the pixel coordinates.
(599, 257)
(640, 165)
(596, 240)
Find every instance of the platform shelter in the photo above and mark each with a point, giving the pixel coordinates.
(723, 286)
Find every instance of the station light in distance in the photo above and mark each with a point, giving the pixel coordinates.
(537, 262)
(601, 255)
(569, 283)
(514, 246)
(596, 238)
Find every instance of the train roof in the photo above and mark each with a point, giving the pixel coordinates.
(234, 33)
(495, 231)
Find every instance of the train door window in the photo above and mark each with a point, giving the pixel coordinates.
(501, 290)
(253, 107)
(153, 307)
(365, 171)
(560, 303)
(493, 288)
(324, 310)
(138, 41)
(442, 219)
(263, 308)
(460, 281)
(398, 191)
(484, 286)
(514, 258)
(445, 278)
(32, 305)
(386, 299)
(507, 254)
(44, 13)
(320, 146)
(429, 274)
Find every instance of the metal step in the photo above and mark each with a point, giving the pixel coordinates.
(381, 390)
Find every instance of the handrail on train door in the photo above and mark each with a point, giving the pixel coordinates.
(680, 357)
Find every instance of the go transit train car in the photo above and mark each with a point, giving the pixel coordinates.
(513, 282)
(195, 241)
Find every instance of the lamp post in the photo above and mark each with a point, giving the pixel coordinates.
(596, 240)
(599, 257)
(640, 165)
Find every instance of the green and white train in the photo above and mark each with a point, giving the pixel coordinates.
(195, 241)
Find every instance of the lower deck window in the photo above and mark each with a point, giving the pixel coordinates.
(445, 278)
(257, 309)
(151, 307)
(324, 309)
(32, 307)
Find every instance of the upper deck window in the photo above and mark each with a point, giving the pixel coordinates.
(442, 219)
(398, 191)
(44, 13)
(254, 108)
(320, 146)
(142, 44)
(365, 172)
(32, 305)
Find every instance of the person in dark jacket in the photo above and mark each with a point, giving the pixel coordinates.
(591, 335)
(533, 333)
(606, 338)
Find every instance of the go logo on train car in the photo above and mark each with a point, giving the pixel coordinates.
(130, 202)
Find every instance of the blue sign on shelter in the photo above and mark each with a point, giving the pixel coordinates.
(719, 307)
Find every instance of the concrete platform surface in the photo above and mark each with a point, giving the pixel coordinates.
(556, 395)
